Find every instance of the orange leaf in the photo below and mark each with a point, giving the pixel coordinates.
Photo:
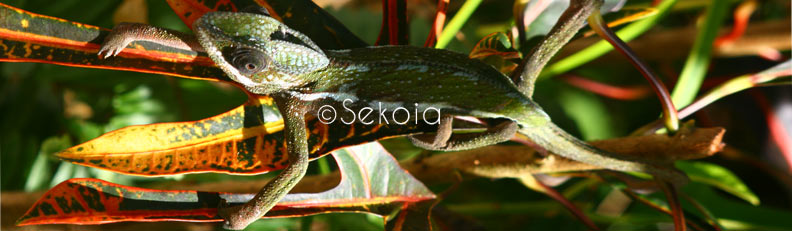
(371, 181)
(29, 37)
(246, 140)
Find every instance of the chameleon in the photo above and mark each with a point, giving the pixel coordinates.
(265, 56)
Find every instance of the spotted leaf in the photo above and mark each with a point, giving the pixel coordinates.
(371, 181)
(29, 37)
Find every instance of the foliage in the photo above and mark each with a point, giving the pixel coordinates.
(48, 108)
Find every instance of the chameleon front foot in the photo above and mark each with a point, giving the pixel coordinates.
(125, 33)
(239, 217)
(117, 40)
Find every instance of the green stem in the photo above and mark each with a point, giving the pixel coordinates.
(324, 166)
(457, 22)
(698, 61)
(600, 48)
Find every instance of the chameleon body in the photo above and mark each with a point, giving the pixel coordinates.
(266, 57)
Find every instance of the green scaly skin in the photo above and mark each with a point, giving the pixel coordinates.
(396, 76)
(266, 57)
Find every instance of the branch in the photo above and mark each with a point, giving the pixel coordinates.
(492, 162)
(508, 161)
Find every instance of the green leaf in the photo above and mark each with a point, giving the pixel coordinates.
(718, 177)
(135, 107)
(40, 173)
(589, 113)
(734, 215)
(698, 61)
(456, 23)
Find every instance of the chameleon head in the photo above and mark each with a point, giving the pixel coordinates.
(258, 51)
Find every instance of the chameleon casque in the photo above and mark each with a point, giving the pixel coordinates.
(267, 57)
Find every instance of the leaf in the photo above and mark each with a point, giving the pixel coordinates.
(41, 172)
(303, 16)
(496, 49)
(697, 63)
(497, 43)
(413, 216)
(245, 140)
(190, 10)
(598, 49)
(29, 37)
(541, 16)
(589, 113)
(455, 24)
(25, 39)
(736, 215)
(371, 181)
(625, 16)
(227, 142)
(719, 177)
(135, 107)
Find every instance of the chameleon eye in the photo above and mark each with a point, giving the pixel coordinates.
(247, 61)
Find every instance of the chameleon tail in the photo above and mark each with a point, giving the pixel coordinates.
(557, 141)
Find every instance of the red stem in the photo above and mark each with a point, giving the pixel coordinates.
(439, 22)
(778, 133)
(669, 110)
(614, 92)
(741, 17)
(673, 202)
(552, 193)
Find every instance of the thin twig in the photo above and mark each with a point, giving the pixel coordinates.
(670, 116)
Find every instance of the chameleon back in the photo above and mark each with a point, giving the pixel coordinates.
(406, 75)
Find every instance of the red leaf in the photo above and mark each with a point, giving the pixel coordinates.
(191, 10)
(304, 16)
(371, 181)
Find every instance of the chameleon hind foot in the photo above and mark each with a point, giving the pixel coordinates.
(443, 140)
(232, 215)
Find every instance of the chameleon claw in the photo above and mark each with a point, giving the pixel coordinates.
(113, 45)
(105, 52)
